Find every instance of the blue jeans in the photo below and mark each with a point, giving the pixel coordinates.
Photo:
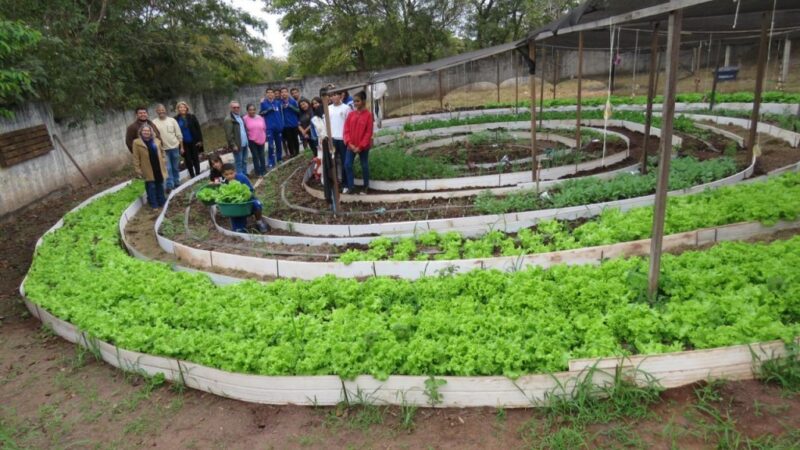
(155, 194)
(173, 167)
(274, 138)
(240, 160)
(341, 151)
(259, 164)
(348, 167)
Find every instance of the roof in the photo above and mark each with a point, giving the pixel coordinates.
(718, 21)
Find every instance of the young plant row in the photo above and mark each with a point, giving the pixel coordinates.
(766, 202)
(684, 173)
(720, 97)
(479, 323)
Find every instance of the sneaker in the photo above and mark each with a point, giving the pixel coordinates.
(363, 191)
(262, 227)
(345, 191)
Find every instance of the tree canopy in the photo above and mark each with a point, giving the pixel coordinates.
(99, 54)
(335, 36)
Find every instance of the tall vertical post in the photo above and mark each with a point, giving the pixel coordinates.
(662, 185)
(440, 91)
(497, 77)
(532, 81)
(787, 53)
(713, 98)
(555, 71)
(334, 176)
(516, 83)
(541, 91)
(760, 71)
(727, 56)
(651, 93)
(580, 81)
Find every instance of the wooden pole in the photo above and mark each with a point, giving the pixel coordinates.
(541, 91)
(580, 80)
(651, 93)
(787, 53)
(555, 72)
(727, 56)
(439, 91)
(74, 163)
(497, 77)
(662, 185)
(532, 82)
(713, 98)
(331, 150)
(760, 70)
(516, 83)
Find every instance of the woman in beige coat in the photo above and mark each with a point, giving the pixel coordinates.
(149, 163)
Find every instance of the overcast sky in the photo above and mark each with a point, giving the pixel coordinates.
(274, 35)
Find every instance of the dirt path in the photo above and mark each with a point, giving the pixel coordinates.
(54, 395)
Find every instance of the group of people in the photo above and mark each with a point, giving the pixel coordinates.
(283, 120)
(157, 146)
(286, 120)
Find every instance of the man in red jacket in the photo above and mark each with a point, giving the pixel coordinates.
(358, 139)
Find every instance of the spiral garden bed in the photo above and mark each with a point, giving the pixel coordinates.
(565, 295)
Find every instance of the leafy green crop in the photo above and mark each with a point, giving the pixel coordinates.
(684, 173)
(479, 323)
(233, 192)
(207, 194)
(766, 202)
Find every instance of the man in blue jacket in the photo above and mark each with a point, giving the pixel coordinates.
(291, 115)
(273, 115)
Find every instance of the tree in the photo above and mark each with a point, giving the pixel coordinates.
(15, 80)
(336, 36)
(494, 22)
(99, 54)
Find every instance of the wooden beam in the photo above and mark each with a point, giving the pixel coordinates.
(760, 71)
(651, 93)
(662, 185)
(532, 82)
(580, 82)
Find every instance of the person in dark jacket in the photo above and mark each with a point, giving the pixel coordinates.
(149, 163)
(272, 114)
(192, 138)
(142, 118)
(236, 136)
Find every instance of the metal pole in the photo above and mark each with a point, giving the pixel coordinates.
(727, 56)
(651, 93)
(331, 150)
(760, 70)
(580, 80)
(662, 185)
(532, 78)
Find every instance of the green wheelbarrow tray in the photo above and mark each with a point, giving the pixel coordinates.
(236, 209)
